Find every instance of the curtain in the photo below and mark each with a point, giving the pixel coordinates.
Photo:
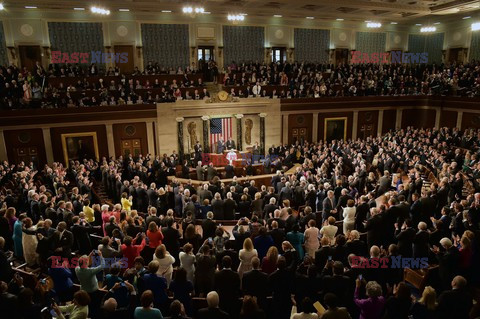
(243, 44)
(312, 45)
(76, 36)
(475, 46)
(3, 47)
(371, 42)
(430, 43)
(166, 44)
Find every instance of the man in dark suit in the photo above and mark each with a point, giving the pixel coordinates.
(212, 311)
(447, 261)
(142, 198)
(229, 206)
(455, 303)
(329, 205)
(374, 228)
(208, 227)
(81, 232)
(230, 144)
(171, 237)
(324, 253)
(200, 171)
(337, 283)
(270, 208)
(229, 170)
(217, 207)
(6, 272)
(152, 195)
(361, 213)
(384, 183)
(420, 242)
(405, 237)
(211, 172)
(198, 151)
(416, 209)
(8, 302)
(220, 146)
(255, 283)
(277, 234)
(63, 240)
(227, 285)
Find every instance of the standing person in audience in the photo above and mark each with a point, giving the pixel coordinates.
(147, 311)
(281, 285)
(349, 213)
(171, 238)
(227, 285)
(263, 242)
(87, 276)
(250, 309)
(157, 285)
(182, 290)
(212, 311)
(187, 261)
(204, 270)
(373, 306)
(78, 309)
(245, 255)
(312, 241)
(296, 238)
(165, 262)
(329, 230)
(255, 283)
(457, 302)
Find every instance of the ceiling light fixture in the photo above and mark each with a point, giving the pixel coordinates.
(393, 22)
(79, 9)
(419, 24)
(310, 18)
(465, 18)
(30, 7)
(428, 29)
(235, 17)
(374, 25)
(339, 19)
(190, 10)
(100, 11)
(166, 11)
(2, 7)
(476, 26)
(277, 15)
(124, 10)
(437, 23)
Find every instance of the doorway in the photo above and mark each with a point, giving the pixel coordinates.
(455, 55)
(341, 56)
(128, 66)
(279, 54)
(133, 146)
(29, 55)
(299, 134)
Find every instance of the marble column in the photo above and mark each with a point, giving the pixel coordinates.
(459, 119)
(180, 136)
(398, 119)
(380, 123)
(150, 138)
(3, 147)
(239, 131)
(315, 128)
(355, 125)
(437, 118)
(262, 132)
(110, 140)
(47, 141)
(206, 123)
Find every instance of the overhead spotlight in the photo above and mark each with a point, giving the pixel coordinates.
(339, 19)
(419, 24)
(235, 17)
(100, 11)
(187, 9)
(310, 18)
(79, 9)
(465, 18)
(428, 29)
(199, 10)
(476, 26)
(124, 10)
(166, 11)
(2, 7)
(277, 15)
(374, 24)
(30, 7)
(437, 23)
(393, 22)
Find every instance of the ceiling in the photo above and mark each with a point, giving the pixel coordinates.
(386, 11)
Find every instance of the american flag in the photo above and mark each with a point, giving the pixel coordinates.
(220, 127)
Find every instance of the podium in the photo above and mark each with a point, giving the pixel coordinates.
(220, 160)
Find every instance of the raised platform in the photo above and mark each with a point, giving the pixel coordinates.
(264, 179)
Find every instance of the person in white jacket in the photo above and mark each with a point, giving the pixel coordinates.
(165, 261)
(257, 89)
(349, 216)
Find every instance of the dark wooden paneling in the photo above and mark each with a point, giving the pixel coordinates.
(323, 116)
(367, 119)
(298, 121)
(16, 140)
(448, 118)
(418, 118)
(389, 118)
(56, 134)
(120, 133)
(470, 120)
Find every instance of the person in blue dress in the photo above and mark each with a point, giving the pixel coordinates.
(17, 236)
(296, 238)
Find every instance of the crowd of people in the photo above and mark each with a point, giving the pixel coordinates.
(296, 80)
(23, 88)
(314, 235)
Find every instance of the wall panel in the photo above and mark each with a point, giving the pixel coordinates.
(21, 143)
(300, 121)
(367, 124)
(448, 118)
(323, 116)
(130, 131)
(389, 117)
(418, 118)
